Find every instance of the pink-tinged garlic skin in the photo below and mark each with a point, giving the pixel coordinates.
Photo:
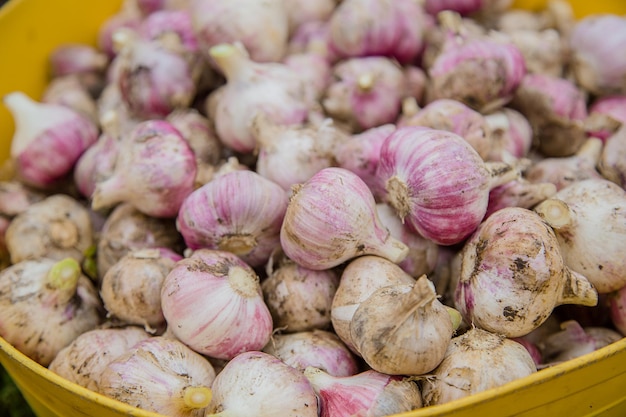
(532, 349)
(68, 91)
(519, 193)
(512, 275)
(589, 218)
(300, 12)
(313, 36)
(75, 59)
(127, 229)
(566, 170)
(41, 311)
(273, 89)
(48, 139)
(56, 227)
(147, 7)
(360, 279)
(258, 384)
(160, 375)
(416, 341)
(456, 117)
(155, 171)
(511, 132)
(594, 41)
(423, 252)
(612, 163)
(366, 91)
(131, 288)
(154, 79)
(556, 109)
(236, 319)
(83, 360)
(479, 72)
(463, 7)
(319, 348)
(16, 197)
(96, 164)
(122, 20)
(246, 21)
(391, 28)
(610, 113)
(300, 299)
(368, 393)
(360, 154)
(240, 212)
(199, 133)
(331, 219)
(314, 68)
(162, 22)
(442, 201)
(617, 309)
(544, 51)
(476, 361)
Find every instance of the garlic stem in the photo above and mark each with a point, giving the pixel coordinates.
(577, 290)
(555, 212)
(365, 82)
(391, 248)
(591, 150)
(242, 282)
(398, 196)
(230, 59)
(502, 172)
(63, 277)
(197, 397)
(455, 317)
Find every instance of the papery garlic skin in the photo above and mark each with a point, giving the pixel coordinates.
(612, 163)
(302, 11)
(16, 197)
(46, 304)
(519, 193)
(83, 360)
(474, 362)
(368, 393)
(69, 92)
(59, 136)
(57, 227)
(235, 321)
(240, 212)
(319, 348)
(131, 288)
(360, 279)
(331, 218)
(160, 375)
(416, 341)
(96, 164)
(513, 274)
(512, 134)
(300, 299)
(164, 22)
(610, 114)
(76, 59)
(589, 218)
(257, 383)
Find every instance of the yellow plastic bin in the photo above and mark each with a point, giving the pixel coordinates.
(592, 385)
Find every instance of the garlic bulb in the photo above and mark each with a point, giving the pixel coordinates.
(513, 274)
(415, 342)
(162, 23)
(131, 288)
(519, 193)
(160, 375)
(198, 131)
(589, 218)
(16, 197)
(56, 227)
(239, 212)
(69, 92)
(606, 115)
(235, 320)
(127, 229)
(511, 132)
(302, 11)
(611, 164)
(59, 136)
(83, 360)
(298, 298)
(360, 279)
(74, 58)
(257, 383)
(368, 393)
(154, 170)
(437, 183)
(319, 348)
(474, 362)
(46, 304)
(331, 218)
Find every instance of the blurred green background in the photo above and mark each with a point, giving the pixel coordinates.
(12, 404)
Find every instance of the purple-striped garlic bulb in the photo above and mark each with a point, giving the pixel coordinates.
(212, 301)
(437, 183)
(476, 361)
(513, 275)
(155, 171)
(56, 227)
(319, 348)
(391, 28)
(273, 89)
(161, 375)
(556, 109)
(46, 132)
(612, 164)
(298, 298)
(369, 393)
(131, 288)
(250, 384)
(239, 212)
(331, 219)
(83, 360)
(361, 278)
(170, 21)
(606, 115)
(589, 219)
(45, 305)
